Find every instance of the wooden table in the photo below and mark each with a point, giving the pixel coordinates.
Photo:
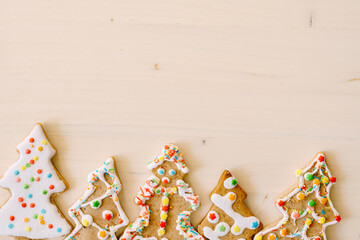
(257, 88)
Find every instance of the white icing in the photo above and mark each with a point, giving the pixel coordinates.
(41, 183)
(169, 153)
(216, 233)
(112, 192)
(145, 193)
(228, 183)
(188, 194)
(318, 165)
(187, 230)
(213, 213)
(225, 204)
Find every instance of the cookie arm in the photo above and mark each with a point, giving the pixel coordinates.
(188, 194)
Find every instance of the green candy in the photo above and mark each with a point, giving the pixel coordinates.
(233, 182)
(96, 204)
(309, 177)
(222, 228)
(44, 192)
(311, 203)
(26, 186)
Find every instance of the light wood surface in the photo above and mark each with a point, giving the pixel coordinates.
(255, 87)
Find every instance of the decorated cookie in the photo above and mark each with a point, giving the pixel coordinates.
(229, 218)
(32, 180)
(166, 201)
(98, 213)
(307, 210)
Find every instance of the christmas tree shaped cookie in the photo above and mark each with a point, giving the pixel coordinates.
(229, 218)
(98, 213)
(32, 180)
(165, 201)
(307, 210)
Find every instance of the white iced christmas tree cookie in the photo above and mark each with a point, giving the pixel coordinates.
(165, 202)
(229, 218)
(307, 210)
(98, 213)
(32, 181)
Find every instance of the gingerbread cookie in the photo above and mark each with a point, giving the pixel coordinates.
(165, 201)
(307, 210)
(98, 213)
(229, 218)
(32, 180)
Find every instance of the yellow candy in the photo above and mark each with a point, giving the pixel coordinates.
(165, 201)
(316, 182)
(308, 221)
(174, 189)
(40, 217)
(164, 216)
(36, 158)
(28, 229)
(272, 236)
(298, 172)
(161, 232)
(258, 237)
(44, 142)
(325, 180)
(161, 158)
(283, 232)
(322, 220)
(23, 168)
(236, 228)
(85, 222)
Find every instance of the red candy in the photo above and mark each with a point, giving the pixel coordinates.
(281, 203)
(12, 218)
(39, 171)
(162, 224)
(212, 216)
(321, 158)
(27, 151)
(31, 140)
(37, 179)
(32, 205)
(51, 187)
(23, 205)
(20, 199)
(32, 161)
(50, 226)
(338, 218)
(108, 217)
(333, 179)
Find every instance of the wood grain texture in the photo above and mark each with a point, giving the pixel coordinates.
(256, 87)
